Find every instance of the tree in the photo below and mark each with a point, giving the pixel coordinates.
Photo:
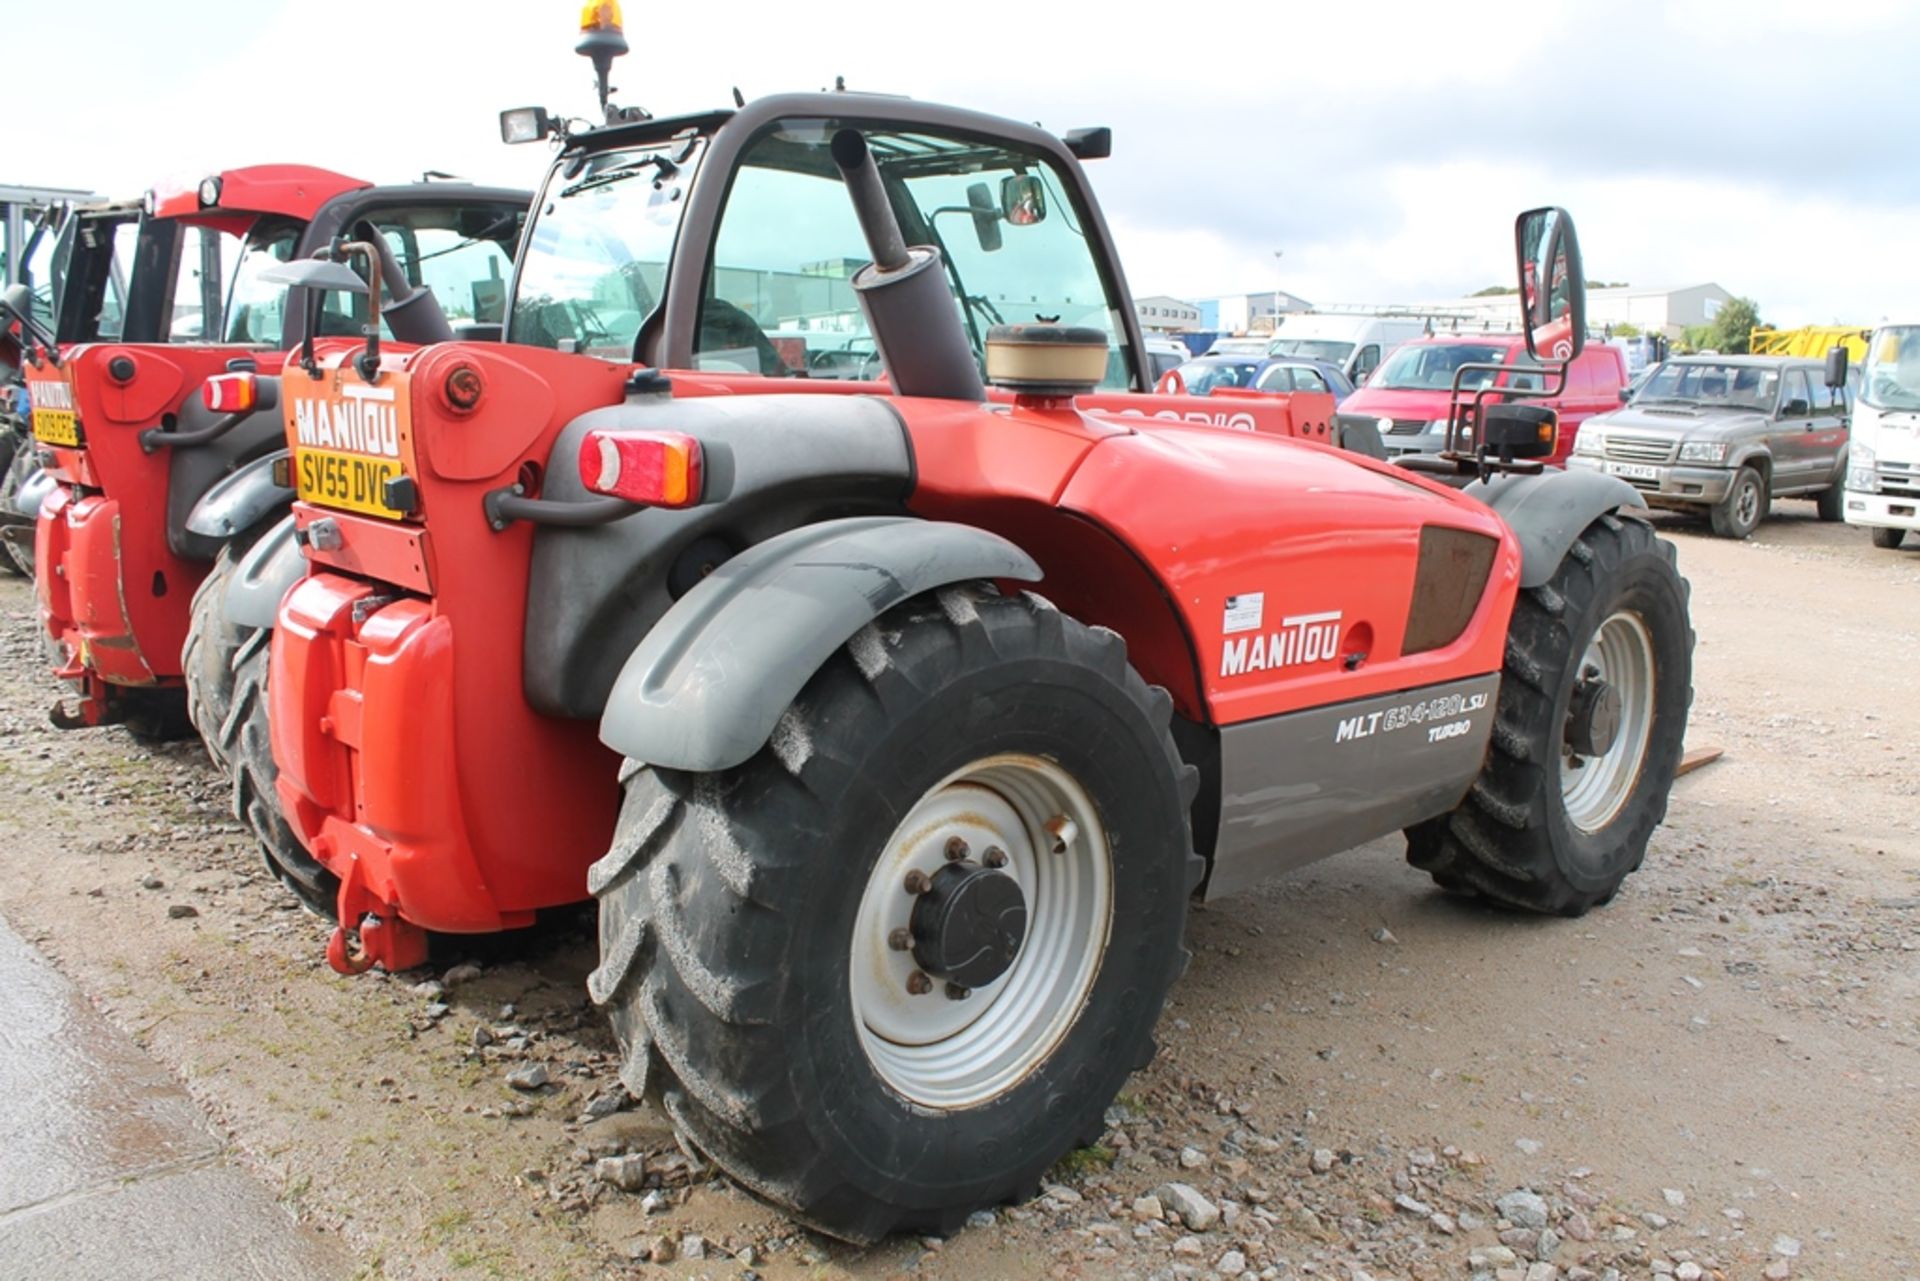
(1493, 291)
(1732, 325)
(1625, 329)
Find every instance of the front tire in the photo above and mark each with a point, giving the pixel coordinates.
(1888, 540)
(207, 659)
(1544, 827)
(1831, 503)
(1745, 506)
(244, 741)
(760, 938)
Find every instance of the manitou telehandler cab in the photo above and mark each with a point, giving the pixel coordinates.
(164, 467)
(892, 724)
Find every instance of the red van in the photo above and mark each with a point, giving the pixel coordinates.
(1406, 399)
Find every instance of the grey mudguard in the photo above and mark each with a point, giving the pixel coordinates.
(33, 492)
(1548, 511)
(704, 688)
(241, 500)
(264, 576)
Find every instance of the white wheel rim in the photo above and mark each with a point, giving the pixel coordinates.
(1749, 508)
(1594, 789)
(947, 1053)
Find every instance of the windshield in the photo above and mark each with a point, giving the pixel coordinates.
(1334, 353)
(1431, 366)
(1711, 386)
(256, 308)
(1203, 376)
(596, 259)
(1891, 379)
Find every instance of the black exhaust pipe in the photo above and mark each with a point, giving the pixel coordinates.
(904, 292)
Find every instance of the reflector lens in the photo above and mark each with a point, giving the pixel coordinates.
(230, 393)
(658, 468)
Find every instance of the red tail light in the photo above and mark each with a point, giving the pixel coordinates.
(658, 468)
(230, 393)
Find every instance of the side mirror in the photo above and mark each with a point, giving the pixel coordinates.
(17, 301)
(1023, 199)
(525, 124)
(986, 217)
(1553, 287)
(1836, 367)
(1796, 408)
(316, 273)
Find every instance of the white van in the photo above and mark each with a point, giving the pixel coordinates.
(1357, 344)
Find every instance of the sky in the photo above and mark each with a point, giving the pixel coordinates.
(1379, 149)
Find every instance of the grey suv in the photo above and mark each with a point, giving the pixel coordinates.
(1727, 434)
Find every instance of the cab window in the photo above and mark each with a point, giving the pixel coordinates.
(779, 299)
(1793, 388)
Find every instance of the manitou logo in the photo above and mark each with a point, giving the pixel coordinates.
(1302, 639)
(366, 422)
(50, 395)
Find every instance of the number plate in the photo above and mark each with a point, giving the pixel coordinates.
(56, 427)
(350, 440)
(334, 478)
(1634, 471)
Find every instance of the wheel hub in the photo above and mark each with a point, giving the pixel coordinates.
(1593, 717)
(968, 926)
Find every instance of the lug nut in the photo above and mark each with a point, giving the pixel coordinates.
(900, 940)
(918, 984)
(995, 856)
(955, 992)
(956, 848)
(917, 882)
(1064, 832)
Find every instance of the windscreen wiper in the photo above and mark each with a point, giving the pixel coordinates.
(662, 167)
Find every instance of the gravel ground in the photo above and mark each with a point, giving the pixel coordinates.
(1714, 1077)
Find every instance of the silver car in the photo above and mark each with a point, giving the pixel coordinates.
(1727, 434)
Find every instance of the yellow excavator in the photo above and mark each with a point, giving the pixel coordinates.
(1811, 340)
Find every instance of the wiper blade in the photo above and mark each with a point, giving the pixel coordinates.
(662, 167)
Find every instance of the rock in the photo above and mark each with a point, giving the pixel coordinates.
(1689, 1271)
(651, 1249)
(152, 883)
(693, 1246)
(530, 1076)
(1442, 1222)
(980, 1219)
(1674, 1197)
(482, 1037)
(1778, 1270)
(1231, 1264)
(459, 974)
(1322, 1160)
(1192, 1158)
(1189, 1247)
(1543, 1272)
(1148, 1209)
(1413, 1206)
(430, 989)
(655, 1201)
(1786, 1247)
(1385, 935)
(1549, 1242)
(1529, 1146)
(1194, 1210)
(1654, 1221)
(182, 911)
(628, 1173)
(438, 1010)
(1523, 1208)
(1061, 1193)
(1578, 1226)
(605, 1105)
(1491, 1256)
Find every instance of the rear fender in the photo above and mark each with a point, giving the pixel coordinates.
(705, 687)
(264, 576)
(33, 492)
(1547, 511)
(239, 501)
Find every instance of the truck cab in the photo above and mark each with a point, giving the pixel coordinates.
(1883, 468)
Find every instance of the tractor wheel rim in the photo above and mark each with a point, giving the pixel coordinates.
(932, 1045)
(1594, 789)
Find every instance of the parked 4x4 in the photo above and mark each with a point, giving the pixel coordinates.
(1406, 401)
(1728, 434)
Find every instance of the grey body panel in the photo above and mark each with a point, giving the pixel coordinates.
(193, 473)
(772, 463)
(1300, 787)
(264, 576)
(240, 500)
(705, 688)
(1547, 512)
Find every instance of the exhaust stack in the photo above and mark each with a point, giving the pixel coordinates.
(904, 292)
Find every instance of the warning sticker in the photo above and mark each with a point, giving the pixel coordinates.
(1244, 613)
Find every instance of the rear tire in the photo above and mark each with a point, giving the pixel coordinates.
(18, 558)
(1831, 503)
(1745, 506)
(1538, 830)
(243, 739)
(1888, 539)
(207, 659)
(736, 908)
